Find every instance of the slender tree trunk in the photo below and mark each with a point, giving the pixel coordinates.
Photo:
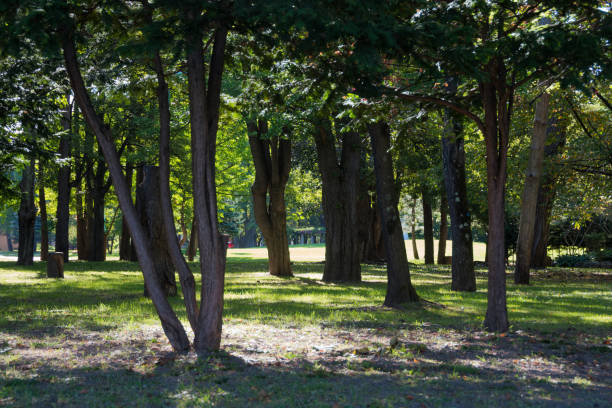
(415, 249)
(399, 286)
(272, 160)
(44, 228)
(204, 116)
(170, 323)
(26, 216)
(453, 160)
(530, 192)
(340, 185)
(443, 228)
(98, 244)
(428, 228)
(62, 241)
(139, 178)
(125, 246)
(81, 228)
(192, 249)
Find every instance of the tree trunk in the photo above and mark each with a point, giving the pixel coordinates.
(443, 228)
(340, 185)
(97, 251)
(415, 249)
(151, 218)
(453, 160)
(370, 229)
(26, 216)
(139, 178)
(170, 323)
(44, 227)
(399, 286)
(192, 249)
(272, 160)
(496, 134)
(529, 200)
(546, 195)
(204, 116)
(62, 241)
(81, 228)
(428, 228)
(125, 246)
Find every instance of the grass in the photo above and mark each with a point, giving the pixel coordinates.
(93, 340)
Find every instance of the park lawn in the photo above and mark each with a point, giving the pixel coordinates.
(93, 340)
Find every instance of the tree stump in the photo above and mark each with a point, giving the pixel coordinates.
(55, 265)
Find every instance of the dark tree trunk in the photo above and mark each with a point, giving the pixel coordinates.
(428, 228)
(529, 201)
(98, 244)
(415, 249)
(249, 239)
(443, 228)
(26, 217)
(192, 249)
(62, 241)
(139, 178)
(453, 160)
(340, 184)
(170, 323)
(81, 228)
(125, 245)
(546, 195)
(370, 229)
(399, 286)
(204, 104)
(272, 160)
(152, 223)
(44, 227)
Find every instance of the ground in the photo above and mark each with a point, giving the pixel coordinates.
(93, 340)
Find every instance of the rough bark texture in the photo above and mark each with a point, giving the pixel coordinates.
(453, 160)
(340, 185)
(170, 323)
(62, 213)
(26, 217)
(44, 229)
(272, 160)
(529, 199)
(546, 194)
(125, 246)
(428, 228)
(399, 286)
(443, 228)
(415, 249)
(204, 116)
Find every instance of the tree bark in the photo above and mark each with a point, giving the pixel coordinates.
(170, 323)
(415, 249)
(399, 286)
(125, 246)
(340, 185)
(370, 230)
(443, 228)
(192, 249)
(453, 160)
(97, 245)
(529, 200)
(272, 160)
(62, 241)
(139, 178)
(44, 227)
(428, 228)
(26, 217)
(204, 116)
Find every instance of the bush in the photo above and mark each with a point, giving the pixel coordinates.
(605, 255)
(573, 260)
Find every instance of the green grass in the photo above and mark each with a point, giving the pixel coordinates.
(85, 314)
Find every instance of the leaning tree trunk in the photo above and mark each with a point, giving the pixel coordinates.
(546, 195)
(428, 228)
(529, 200)
(26, 216)
(453, 160)
(340, 185)
(399, 286)
(151, 218)
(415, 249)
(170, 323)
(204, 104)
(125, 246)
(443, 228)
(272, 160)
(44, 227)
(62, 242)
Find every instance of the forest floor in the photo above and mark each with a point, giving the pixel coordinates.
(93, 340)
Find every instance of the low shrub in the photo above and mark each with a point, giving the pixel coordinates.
(573, 260)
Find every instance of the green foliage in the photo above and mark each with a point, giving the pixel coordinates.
(573, 260)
